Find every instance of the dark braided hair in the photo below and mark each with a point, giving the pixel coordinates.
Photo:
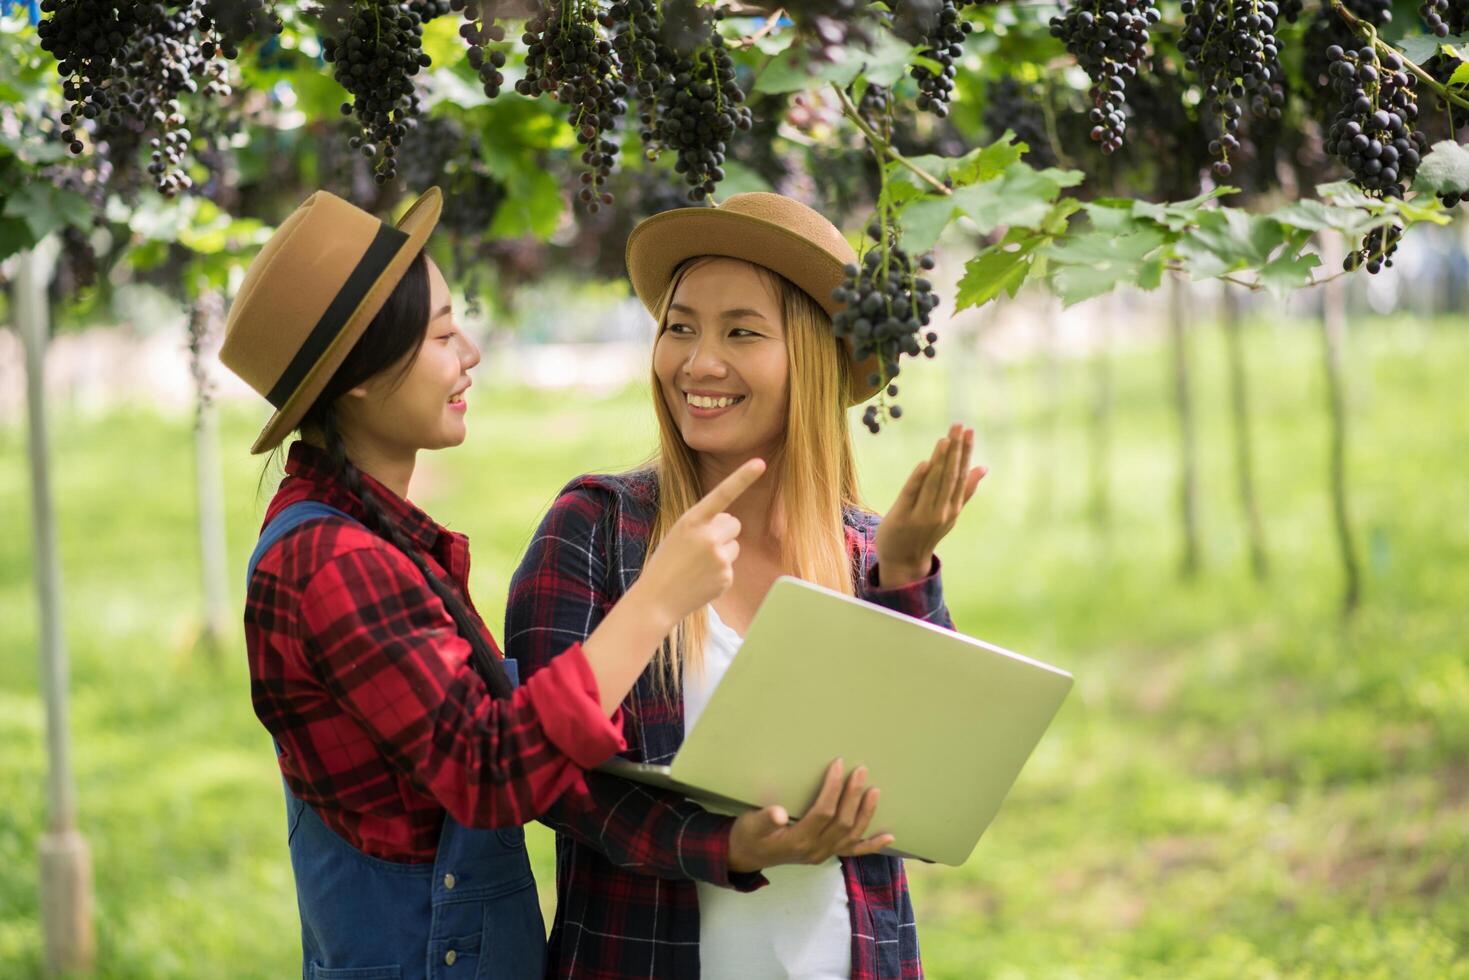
(394, 336)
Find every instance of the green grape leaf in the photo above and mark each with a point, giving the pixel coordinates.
(1419, 48)
(1444, 170)
(15, 236)
(793, 70)
(978, 165)
(1178, 215)
(44, 208)
(1021, 197)
(1001, 268)
(1315, 216)
(1288, 272)
(889, 59)
(1095, 262)
(1235, 239)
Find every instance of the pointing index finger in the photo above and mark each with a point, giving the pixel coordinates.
(729, 489)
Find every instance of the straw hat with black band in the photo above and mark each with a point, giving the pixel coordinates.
(770, 230)
(309, 295)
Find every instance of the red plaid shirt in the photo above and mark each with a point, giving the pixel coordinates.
(627, 856)
(358, 672)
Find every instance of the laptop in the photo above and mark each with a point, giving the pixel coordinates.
(943, 722)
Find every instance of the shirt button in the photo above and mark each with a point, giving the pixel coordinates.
(450, 957)
(449, 882)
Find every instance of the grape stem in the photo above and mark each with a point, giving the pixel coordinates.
(1368, 33)
(766, 28)
(1178, 268)
(882, 146)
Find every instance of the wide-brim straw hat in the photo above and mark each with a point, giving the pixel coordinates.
(770, 230)
(309, 295)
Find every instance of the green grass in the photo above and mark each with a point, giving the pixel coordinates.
(1240, 785)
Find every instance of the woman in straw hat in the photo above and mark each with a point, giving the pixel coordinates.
(745, 365)
(409, 753)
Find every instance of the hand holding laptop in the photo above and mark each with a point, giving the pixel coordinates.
(832, 827)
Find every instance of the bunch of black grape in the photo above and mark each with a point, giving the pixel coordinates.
(1108, 38)
(376, 50)
(1323, 30)
(1016, 107)
(940, 32)
(166, 63)
(1376, 250)
(568, 58)
(479, 31)
(86, 37)
(699, 103)
(427, 10)
(886, 306)
(125, 68)
(1445, 17)
(636, 29)
(1373, 132)
(234, 22)
(1232, 47)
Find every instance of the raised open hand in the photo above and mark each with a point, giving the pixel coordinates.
(926, 509)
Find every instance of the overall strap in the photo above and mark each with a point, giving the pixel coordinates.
(291, 517)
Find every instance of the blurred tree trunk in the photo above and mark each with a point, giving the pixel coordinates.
(204, 316)
(1333, 337)
(1188, 493)
(1100, 430)
(66, 862)
(1239, 403)
(1048, 368)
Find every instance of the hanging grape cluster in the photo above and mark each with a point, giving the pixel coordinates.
(941, 37)
(1376, 250)
(128, 69)
(887, 304)
(1373, 132)
(569, 58)
(1374, 135)
(700, 105)
(1445, 17)
(480, 30)
(1108, 38)
(376, 50)
(237, 21)
(1231, 45)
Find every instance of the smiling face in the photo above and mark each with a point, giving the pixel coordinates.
(420, 404)
(721, 362)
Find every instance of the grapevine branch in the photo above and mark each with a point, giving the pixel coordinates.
(770, 24)
(882, 145)
(1368, 33)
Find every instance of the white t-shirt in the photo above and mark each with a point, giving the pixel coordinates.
(799, 925)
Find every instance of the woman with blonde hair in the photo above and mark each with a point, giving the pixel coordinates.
(745, 365)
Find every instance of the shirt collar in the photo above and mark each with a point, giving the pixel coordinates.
(307, 462)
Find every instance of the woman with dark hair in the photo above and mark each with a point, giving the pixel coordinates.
(410, 755)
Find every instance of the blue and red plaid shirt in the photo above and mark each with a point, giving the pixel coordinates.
(627, 856)
(358, 671)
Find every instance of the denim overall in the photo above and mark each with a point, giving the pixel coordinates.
(472, 914)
